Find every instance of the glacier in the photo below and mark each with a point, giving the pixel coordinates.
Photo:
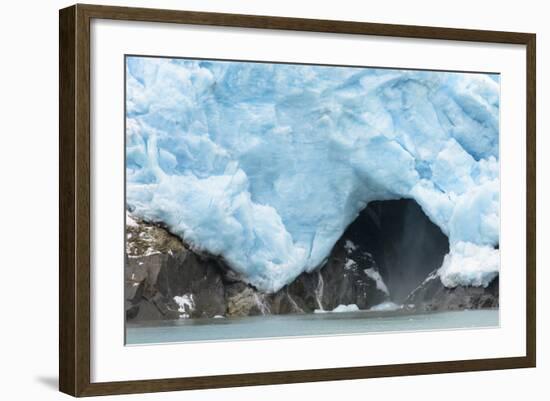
(266, 164)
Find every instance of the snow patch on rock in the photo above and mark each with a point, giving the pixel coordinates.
(186, 305)
(375, 275)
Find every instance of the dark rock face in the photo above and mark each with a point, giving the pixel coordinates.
(432, 295)
(188, 273)
(391, 251)
(341, 281)
(153, 281)
(142, 299)
(210, 288)
(244, 300)
(283, 302)
(346, 280)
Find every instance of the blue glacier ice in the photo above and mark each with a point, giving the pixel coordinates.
(267, 164)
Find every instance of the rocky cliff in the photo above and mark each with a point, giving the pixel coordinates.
(432, 295)
(166, 278)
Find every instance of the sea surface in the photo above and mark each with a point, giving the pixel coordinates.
(317, 324)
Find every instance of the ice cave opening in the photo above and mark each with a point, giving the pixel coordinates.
(403, 241)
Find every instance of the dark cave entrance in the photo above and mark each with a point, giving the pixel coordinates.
(403, 241)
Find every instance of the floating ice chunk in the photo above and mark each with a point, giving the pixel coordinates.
(340, 309)
(386, 307)
(345, 308)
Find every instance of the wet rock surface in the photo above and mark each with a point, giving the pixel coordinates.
(176, 281)
(345, 281)
(432, 295)
(167, 279)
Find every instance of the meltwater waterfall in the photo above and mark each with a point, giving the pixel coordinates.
(406, 245)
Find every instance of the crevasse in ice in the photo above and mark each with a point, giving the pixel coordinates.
(267, 164)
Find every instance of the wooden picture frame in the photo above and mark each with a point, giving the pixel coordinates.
(75, 206)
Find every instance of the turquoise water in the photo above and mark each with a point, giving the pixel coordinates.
(270, 326)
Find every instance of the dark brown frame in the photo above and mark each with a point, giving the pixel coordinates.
(74, 199)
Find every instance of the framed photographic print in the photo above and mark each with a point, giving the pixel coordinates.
(250, 200)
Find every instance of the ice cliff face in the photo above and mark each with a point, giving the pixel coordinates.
(267, 164)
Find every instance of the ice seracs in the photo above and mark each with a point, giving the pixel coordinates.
(267, 164)
(470, 264)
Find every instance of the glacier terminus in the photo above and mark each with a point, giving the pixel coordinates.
(267, 164)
